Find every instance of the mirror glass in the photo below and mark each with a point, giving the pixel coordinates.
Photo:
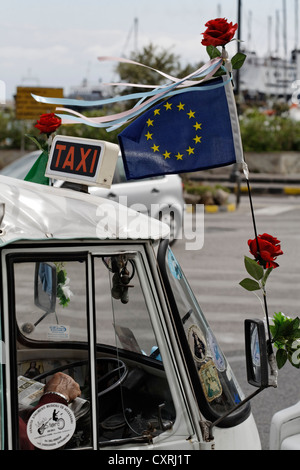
(256, 353)
(45, 286)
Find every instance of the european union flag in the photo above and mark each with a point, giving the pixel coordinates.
(190, 131)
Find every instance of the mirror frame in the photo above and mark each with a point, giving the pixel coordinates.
(263, 353)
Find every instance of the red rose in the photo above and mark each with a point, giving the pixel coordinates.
(219, 32)
(48, 123)
(269, 249)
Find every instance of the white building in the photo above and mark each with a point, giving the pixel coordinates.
(270, 76)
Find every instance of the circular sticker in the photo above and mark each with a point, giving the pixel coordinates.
(216, 352)
(174, 265)
(51, 426)
(197, 343)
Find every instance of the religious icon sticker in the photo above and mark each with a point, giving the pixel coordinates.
(197, 343)
(51, 426)
(210, 381)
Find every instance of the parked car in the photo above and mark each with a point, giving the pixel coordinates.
(160, 197)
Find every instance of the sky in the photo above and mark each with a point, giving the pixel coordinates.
(57, 43)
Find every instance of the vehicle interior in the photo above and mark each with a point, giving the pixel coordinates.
(131, 395)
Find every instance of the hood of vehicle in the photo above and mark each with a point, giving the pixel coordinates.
(36, 212)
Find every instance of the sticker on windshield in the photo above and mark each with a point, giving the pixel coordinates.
(51, 426)
(174, 265)
(210, 382)
(216, 352)
(197, 343)
(58, 332)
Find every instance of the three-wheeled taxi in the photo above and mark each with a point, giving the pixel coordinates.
(92, 289)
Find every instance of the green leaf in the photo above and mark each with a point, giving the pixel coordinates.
(253, 268)
(238, 60)
(266, 275)
(34, 139)
(220, 72)
(213, 52)
(279, 318)
(61, 277)
(281, 358)
(249, 284)
(286, 329)
(296, 323)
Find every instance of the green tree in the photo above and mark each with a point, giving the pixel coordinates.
(153, 56)
(159, 59)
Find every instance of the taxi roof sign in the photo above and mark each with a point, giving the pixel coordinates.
(84, 161)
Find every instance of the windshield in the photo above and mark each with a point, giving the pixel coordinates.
(218, 383)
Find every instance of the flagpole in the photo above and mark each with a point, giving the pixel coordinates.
(245, 169)
(235, 173)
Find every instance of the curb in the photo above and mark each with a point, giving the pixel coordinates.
(288, 190)
(291, 190)
(213, 208)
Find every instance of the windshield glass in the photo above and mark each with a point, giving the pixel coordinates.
(47, 315)
(218, 383)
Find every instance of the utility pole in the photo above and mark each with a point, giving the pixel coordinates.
(296, 24)
(285, 48)
(237, 81)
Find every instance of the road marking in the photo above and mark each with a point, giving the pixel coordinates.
(275, 210)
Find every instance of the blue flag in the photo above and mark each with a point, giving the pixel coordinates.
(190, 131)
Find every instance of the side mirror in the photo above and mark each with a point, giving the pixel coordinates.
(257, 364)
(256, 353)
(45, 285)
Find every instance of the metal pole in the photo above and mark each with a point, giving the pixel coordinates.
(235, 174)
(239, 44)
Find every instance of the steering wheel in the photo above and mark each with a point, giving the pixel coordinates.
(119, 372)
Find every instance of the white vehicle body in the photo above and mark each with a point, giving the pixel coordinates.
(167, 393)
(159, 197)
(285, 429)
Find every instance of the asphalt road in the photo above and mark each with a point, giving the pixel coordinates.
(215, 270)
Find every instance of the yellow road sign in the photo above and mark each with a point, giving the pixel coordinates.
(28, 108)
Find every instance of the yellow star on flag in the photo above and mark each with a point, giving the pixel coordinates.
(190, 151)
(197, 139)
(197, 126)
(171, 110)
(191, 114)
